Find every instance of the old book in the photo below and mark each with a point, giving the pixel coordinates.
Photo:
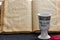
(1, 15)
(51, 6)
(17, 16)
(0, 22)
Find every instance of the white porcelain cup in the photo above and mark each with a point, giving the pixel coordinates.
(44, 24)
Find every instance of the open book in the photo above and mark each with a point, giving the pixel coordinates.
(21, 15)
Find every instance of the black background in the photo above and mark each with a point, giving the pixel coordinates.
(31, 36)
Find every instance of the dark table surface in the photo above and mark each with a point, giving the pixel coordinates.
(31, 36)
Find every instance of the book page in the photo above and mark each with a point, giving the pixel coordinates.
(17, 16)
(40, 6)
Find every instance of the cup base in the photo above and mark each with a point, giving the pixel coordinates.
(42, 37)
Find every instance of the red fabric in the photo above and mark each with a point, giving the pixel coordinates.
(56, 37)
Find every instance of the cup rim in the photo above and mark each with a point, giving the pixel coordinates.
(44, 14)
